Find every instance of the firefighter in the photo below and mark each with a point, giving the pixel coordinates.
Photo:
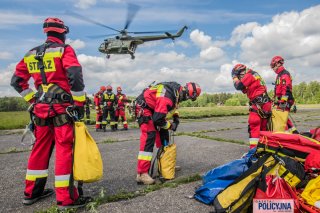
(97, 99)
(108, 103)
(88, 104)
(120, 112)
(152, 106)
(283, 97)
(251, 83)
(57, 76)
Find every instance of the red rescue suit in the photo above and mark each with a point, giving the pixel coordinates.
(108, 103)
(152, 108)
(283, 93)
(260, 104)
(52, 126)
(97, 99)
(120, 111)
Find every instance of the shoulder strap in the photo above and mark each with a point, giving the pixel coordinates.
(39, 56)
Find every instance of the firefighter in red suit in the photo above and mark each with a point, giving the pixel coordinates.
(152, 107)
(283, 97)
(57, 76)
(97, 99)
(108, 104)
(251, 83)
(120, 112)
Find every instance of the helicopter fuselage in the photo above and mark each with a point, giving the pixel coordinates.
(119, 45)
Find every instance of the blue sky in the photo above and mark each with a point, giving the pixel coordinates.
(221, 33)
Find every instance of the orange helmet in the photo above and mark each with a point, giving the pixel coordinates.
(109, 88)
(275, 60)
(237, 69)
(119, 89)
(103, 88)
(54, 25)
(193, 90)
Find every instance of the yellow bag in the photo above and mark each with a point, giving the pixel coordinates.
(87, 163)
(167, 161)
(311, 194)
(279, 120)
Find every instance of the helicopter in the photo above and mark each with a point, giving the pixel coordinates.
(123, 42)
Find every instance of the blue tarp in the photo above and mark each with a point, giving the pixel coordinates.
(220, 177)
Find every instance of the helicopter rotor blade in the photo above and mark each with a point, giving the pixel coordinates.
(132, 11)
(101, 36)
(78, 16)
(149, 32)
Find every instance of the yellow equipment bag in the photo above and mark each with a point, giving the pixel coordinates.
(167, 162)
(279, 120)
(87, 162)
(311, 194)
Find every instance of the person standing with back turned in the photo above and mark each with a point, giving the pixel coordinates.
(58, 79)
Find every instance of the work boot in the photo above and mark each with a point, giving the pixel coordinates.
(145, 179)
(177, 168)
(79, 203)
(45, 193)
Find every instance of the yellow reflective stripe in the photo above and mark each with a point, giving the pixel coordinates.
(125, 122)
(284, 98)
(143, 157)
(104, 122)
(253, 141)
(29, 96)
(61, 183)
(113, 123)
(46, 55)
(81, 98)
(98, 122)
(160, 92)
(34, 177)
(167, 126)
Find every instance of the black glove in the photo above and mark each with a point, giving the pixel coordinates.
(174, 126)
(294, 109)
(176, 119)
(80, 111)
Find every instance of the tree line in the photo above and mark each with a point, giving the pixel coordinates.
(304, 93)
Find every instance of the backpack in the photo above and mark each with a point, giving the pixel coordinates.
(286, 144)
(278, 120)
(219, 178)
(87, 161)
(238, 196)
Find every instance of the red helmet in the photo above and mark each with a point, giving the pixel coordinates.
(275, 60)
(119, 89)
(193, 90)
(109, 88)
(103, 88)
(54, 25)
(238, 68)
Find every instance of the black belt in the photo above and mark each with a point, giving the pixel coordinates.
(63, 97)
(261, 99)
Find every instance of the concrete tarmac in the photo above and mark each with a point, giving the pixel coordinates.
(119, 151)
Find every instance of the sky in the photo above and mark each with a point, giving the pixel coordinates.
(221, 33)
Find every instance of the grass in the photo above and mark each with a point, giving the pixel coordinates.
(14, 120)
(123, 195)
(18, 120)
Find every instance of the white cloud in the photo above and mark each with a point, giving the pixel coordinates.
(85, 4)
(200, 39)
(211, 53)
(6, 55)
(11, 19)
(76, 44)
